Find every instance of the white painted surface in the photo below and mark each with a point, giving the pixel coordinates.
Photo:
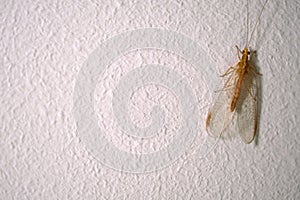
(43, 47)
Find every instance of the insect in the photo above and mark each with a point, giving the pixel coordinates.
(239, 95)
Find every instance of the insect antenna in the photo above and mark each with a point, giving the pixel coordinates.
(247, 24)
(248, 42)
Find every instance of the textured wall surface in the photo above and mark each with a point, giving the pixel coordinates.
(45, 47)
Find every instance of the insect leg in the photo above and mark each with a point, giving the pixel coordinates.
(239, 51)
(254, 70)
(228, 71)
(228, 86)
(252, 53)
(251, 93)
(225, 88)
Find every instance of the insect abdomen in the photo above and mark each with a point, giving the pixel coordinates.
(237, 91)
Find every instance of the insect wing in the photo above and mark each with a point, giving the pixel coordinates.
(219, 115)
(247, 109)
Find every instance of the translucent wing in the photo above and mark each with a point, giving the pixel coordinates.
(247, 108)
(219, 115)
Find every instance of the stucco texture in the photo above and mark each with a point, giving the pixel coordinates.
(124, 58)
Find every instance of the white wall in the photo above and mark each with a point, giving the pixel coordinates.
(45, 44)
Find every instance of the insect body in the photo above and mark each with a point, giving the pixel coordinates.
(242, 67)
(239, 95)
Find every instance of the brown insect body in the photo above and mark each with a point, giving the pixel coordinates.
(241, 70)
